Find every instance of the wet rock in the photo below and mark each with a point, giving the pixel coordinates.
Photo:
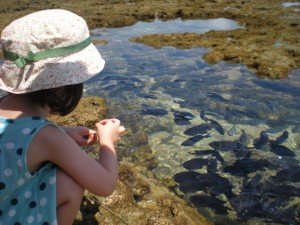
(89, 111)
(138, 199)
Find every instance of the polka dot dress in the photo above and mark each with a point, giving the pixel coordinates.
(25, 198)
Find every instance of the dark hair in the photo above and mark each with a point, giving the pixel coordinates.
(61, 100)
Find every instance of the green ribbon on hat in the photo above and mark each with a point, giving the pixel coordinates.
(21, 60)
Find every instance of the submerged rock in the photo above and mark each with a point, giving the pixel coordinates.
(89, 111)
(139, 199)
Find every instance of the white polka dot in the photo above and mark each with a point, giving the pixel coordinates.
(54, 222)
(12, 212)
(8, 172)
(43, 201)
(19, 163)
(26, 130)
(52, 180)
(28, 194)
(6, 197)
(10, 145)
(39, 217)
(28, 175)
(20, 182)
(30, 219)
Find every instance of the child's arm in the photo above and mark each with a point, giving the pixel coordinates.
(98, 176)
(83, 136)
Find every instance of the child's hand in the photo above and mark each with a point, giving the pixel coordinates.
(109, 130)
(83, 136)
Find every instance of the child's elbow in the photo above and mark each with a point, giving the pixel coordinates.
(107, 190)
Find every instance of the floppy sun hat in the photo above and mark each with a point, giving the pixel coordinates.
(47, 49)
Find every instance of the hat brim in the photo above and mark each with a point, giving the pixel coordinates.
(67, 70)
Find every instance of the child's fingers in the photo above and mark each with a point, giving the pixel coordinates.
(121, 130)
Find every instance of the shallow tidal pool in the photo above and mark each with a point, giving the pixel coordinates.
(229, 139)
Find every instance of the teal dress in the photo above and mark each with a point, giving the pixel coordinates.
(25, 198)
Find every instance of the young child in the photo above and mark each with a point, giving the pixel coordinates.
(43, 171)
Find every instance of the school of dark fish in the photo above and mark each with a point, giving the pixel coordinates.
(265, 197)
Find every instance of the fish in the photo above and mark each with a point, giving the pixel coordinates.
(186, 176)
(193, 140)
(254, 184)
(247, 204)
(198, 129)
(195, 163)
(212, 166)
(277, 129)
(243, 138)
(182, 117)
(281, 190)
(282, 138)
(227, 145)
(289, 215)
(183, 114)
(291, 174)
(216, 97)
(202, 116)
(244, 166)
(147, 96)
(233, 116)
(261, 141)
(154, 112)
(217, 126)
(281, 150)
(210, 202)
(202, 152)
(296, 129)
(206, 182)
(292, 118)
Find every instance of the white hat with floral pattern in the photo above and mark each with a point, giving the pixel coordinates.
(47, 49)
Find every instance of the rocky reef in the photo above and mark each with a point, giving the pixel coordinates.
(268, 43)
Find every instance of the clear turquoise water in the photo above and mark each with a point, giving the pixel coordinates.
(145, 86)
